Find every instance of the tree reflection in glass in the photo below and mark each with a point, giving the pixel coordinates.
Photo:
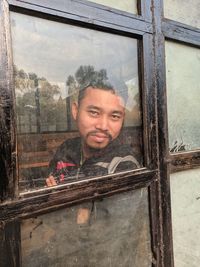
(47, 81)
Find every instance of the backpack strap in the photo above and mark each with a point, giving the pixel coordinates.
(111, 166)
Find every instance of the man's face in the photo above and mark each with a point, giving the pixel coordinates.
(99, 117)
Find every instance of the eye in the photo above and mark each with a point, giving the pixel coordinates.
(93, 113)
(116, 117)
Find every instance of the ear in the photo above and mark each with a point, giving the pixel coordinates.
(75, 110)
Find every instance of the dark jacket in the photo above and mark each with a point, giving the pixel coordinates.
(66, 163)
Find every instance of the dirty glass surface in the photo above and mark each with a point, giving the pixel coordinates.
(53, 63)
(183, 96)
(126, 5)
(109, 232)
(185, 197)
(187, 12)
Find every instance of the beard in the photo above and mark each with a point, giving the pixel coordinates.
(97, 148)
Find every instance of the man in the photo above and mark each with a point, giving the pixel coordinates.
(99, 114)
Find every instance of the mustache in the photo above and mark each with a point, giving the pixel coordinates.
(95, 132)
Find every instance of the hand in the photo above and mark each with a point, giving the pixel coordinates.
(50, 181)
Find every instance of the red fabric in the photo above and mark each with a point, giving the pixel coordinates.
(61, 165)
(62, 177)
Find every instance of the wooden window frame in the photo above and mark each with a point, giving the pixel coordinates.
(151, 30)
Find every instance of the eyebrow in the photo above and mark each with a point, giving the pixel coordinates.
(99, 109)
(93, 107)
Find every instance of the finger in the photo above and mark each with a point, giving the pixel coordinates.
(50, 181)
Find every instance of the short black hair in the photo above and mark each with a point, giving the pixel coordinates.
(104, 87)
(87, 77)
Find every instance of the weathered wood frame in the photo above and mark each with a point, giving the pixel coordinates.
(151, 30)
(166, 29)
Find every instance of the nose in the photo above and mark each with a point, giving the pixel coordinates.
(102, 123)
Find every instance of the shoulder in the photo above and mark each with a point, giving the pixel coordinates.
(119, 149)
(119, 157)
(67, 151)
(123, 163)
(71, 143)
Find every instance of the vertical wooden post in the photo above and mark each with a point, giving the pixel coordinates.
(160, 83)
(8, 181)
(10, 244)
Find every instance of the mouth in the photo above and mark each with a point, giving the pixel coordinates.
(100, 137)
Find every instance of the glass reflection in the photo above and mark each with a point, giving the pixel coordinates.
(183, 87)
(187, 12)
(126, 5)
(54, 64)
(108, 232)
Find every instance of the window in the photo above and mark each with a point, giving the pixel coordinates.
(182, 59)
(56, 58)
(128, 5)
(185, 216)
(183, 96)
(184, 12)
(108, 231)
(73, 69)
(53, 62)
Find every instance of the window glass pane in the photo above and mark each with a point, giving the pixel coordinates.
(183, 11)
(108, 232)
(185, 197)
(126, 5)
(72, 81)
(183, 95)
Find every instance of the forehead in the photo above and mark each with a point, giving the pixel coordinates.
(102, 98)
